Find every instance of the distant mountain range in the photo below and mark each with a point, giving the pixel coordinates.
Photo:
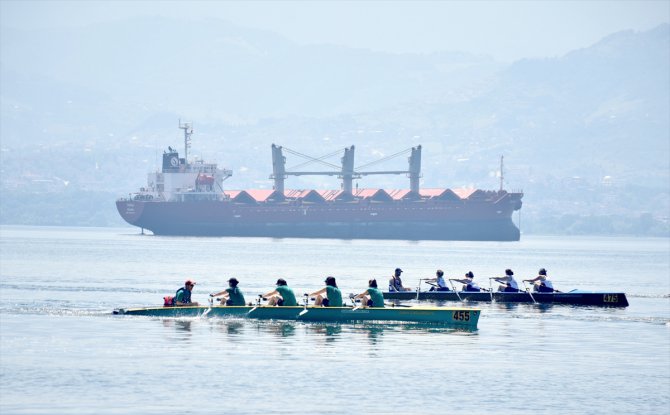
(88, 110)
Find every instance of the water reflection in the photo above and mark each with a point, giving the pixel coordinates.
(543, 307)
(179, 325)
(182, 328)
(331, 332)
(279, 329)
(505, 306)
(237, 329)
(376, 333)
(183, 325)
(232, 328)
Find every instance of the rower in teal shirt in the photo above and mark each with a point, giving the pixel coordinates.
(282, 295)
(372, 297)
(231, 296)
(333, 294)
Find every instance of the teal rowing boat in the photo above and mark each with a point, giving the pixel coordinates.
(457, 317)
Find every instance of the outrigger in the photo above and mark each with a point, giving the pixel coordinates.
(574, 297)
(458, 317)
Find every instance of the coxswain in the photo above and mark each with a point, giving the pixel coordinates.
(395, 283)
(183, 295)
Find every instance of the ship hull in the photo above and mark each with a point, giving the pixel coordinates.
(483, 221)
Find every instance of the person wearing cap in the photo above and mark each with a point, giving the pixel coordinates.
(507, 283)
(438, 283)
(468, 283)
(333, 294)
(372, 297)
(395, 283)
(542, 283)
(183, 296)
(282, 295)
(231, 296)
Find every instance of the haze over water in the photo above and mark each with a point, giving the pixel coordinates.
(574, 95)
(62, 351)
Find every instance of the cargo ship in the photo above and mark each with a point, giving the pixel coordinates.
(188, 198)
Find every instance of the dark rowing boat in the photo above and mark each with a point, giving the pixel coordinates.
(574, 297)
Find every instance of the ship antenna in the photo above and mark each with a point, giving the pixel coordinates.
(188, 130)
(501, 173)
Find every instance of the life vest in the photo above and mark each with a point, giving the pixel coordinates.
(168, 300)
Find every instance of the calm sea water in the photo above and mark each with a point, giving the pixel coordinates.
(62, 351)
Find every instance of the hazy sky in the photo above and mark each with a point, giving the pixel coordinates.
(506, 30)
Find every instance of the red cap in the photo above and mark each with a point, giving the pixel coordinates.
(189, 282)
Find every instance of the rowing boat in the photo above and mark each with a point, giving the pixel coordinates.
(451, 316)
(575, 297)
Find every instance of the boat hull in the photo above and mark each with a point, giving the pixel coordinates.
(584, 298)
(442, 220)
(456, 317)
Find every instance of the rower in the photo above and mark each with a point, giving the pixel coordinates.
(282, 295)
(542, 283)
(333, 294)
(438, 283)
(507, 283)
(231, 296)
(372, 297)
(468, 283)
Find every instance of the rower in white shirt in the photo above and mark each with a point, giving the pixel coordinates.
(542, 283)
(507, 283)
(438, 283)
(468, 283)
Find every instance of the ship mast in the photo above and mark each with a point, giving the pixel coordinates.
(278, 168)
(347, 172)
(501, 173)
(415, 169)
(188, 131)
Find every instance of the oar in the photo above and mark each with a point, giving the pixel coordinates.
(305, 310)
(491, 288)
(258, 304)
(418, 289)
(208, 308)
(353, 302)
(451, 282)
(528, 291)
(397, 305)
